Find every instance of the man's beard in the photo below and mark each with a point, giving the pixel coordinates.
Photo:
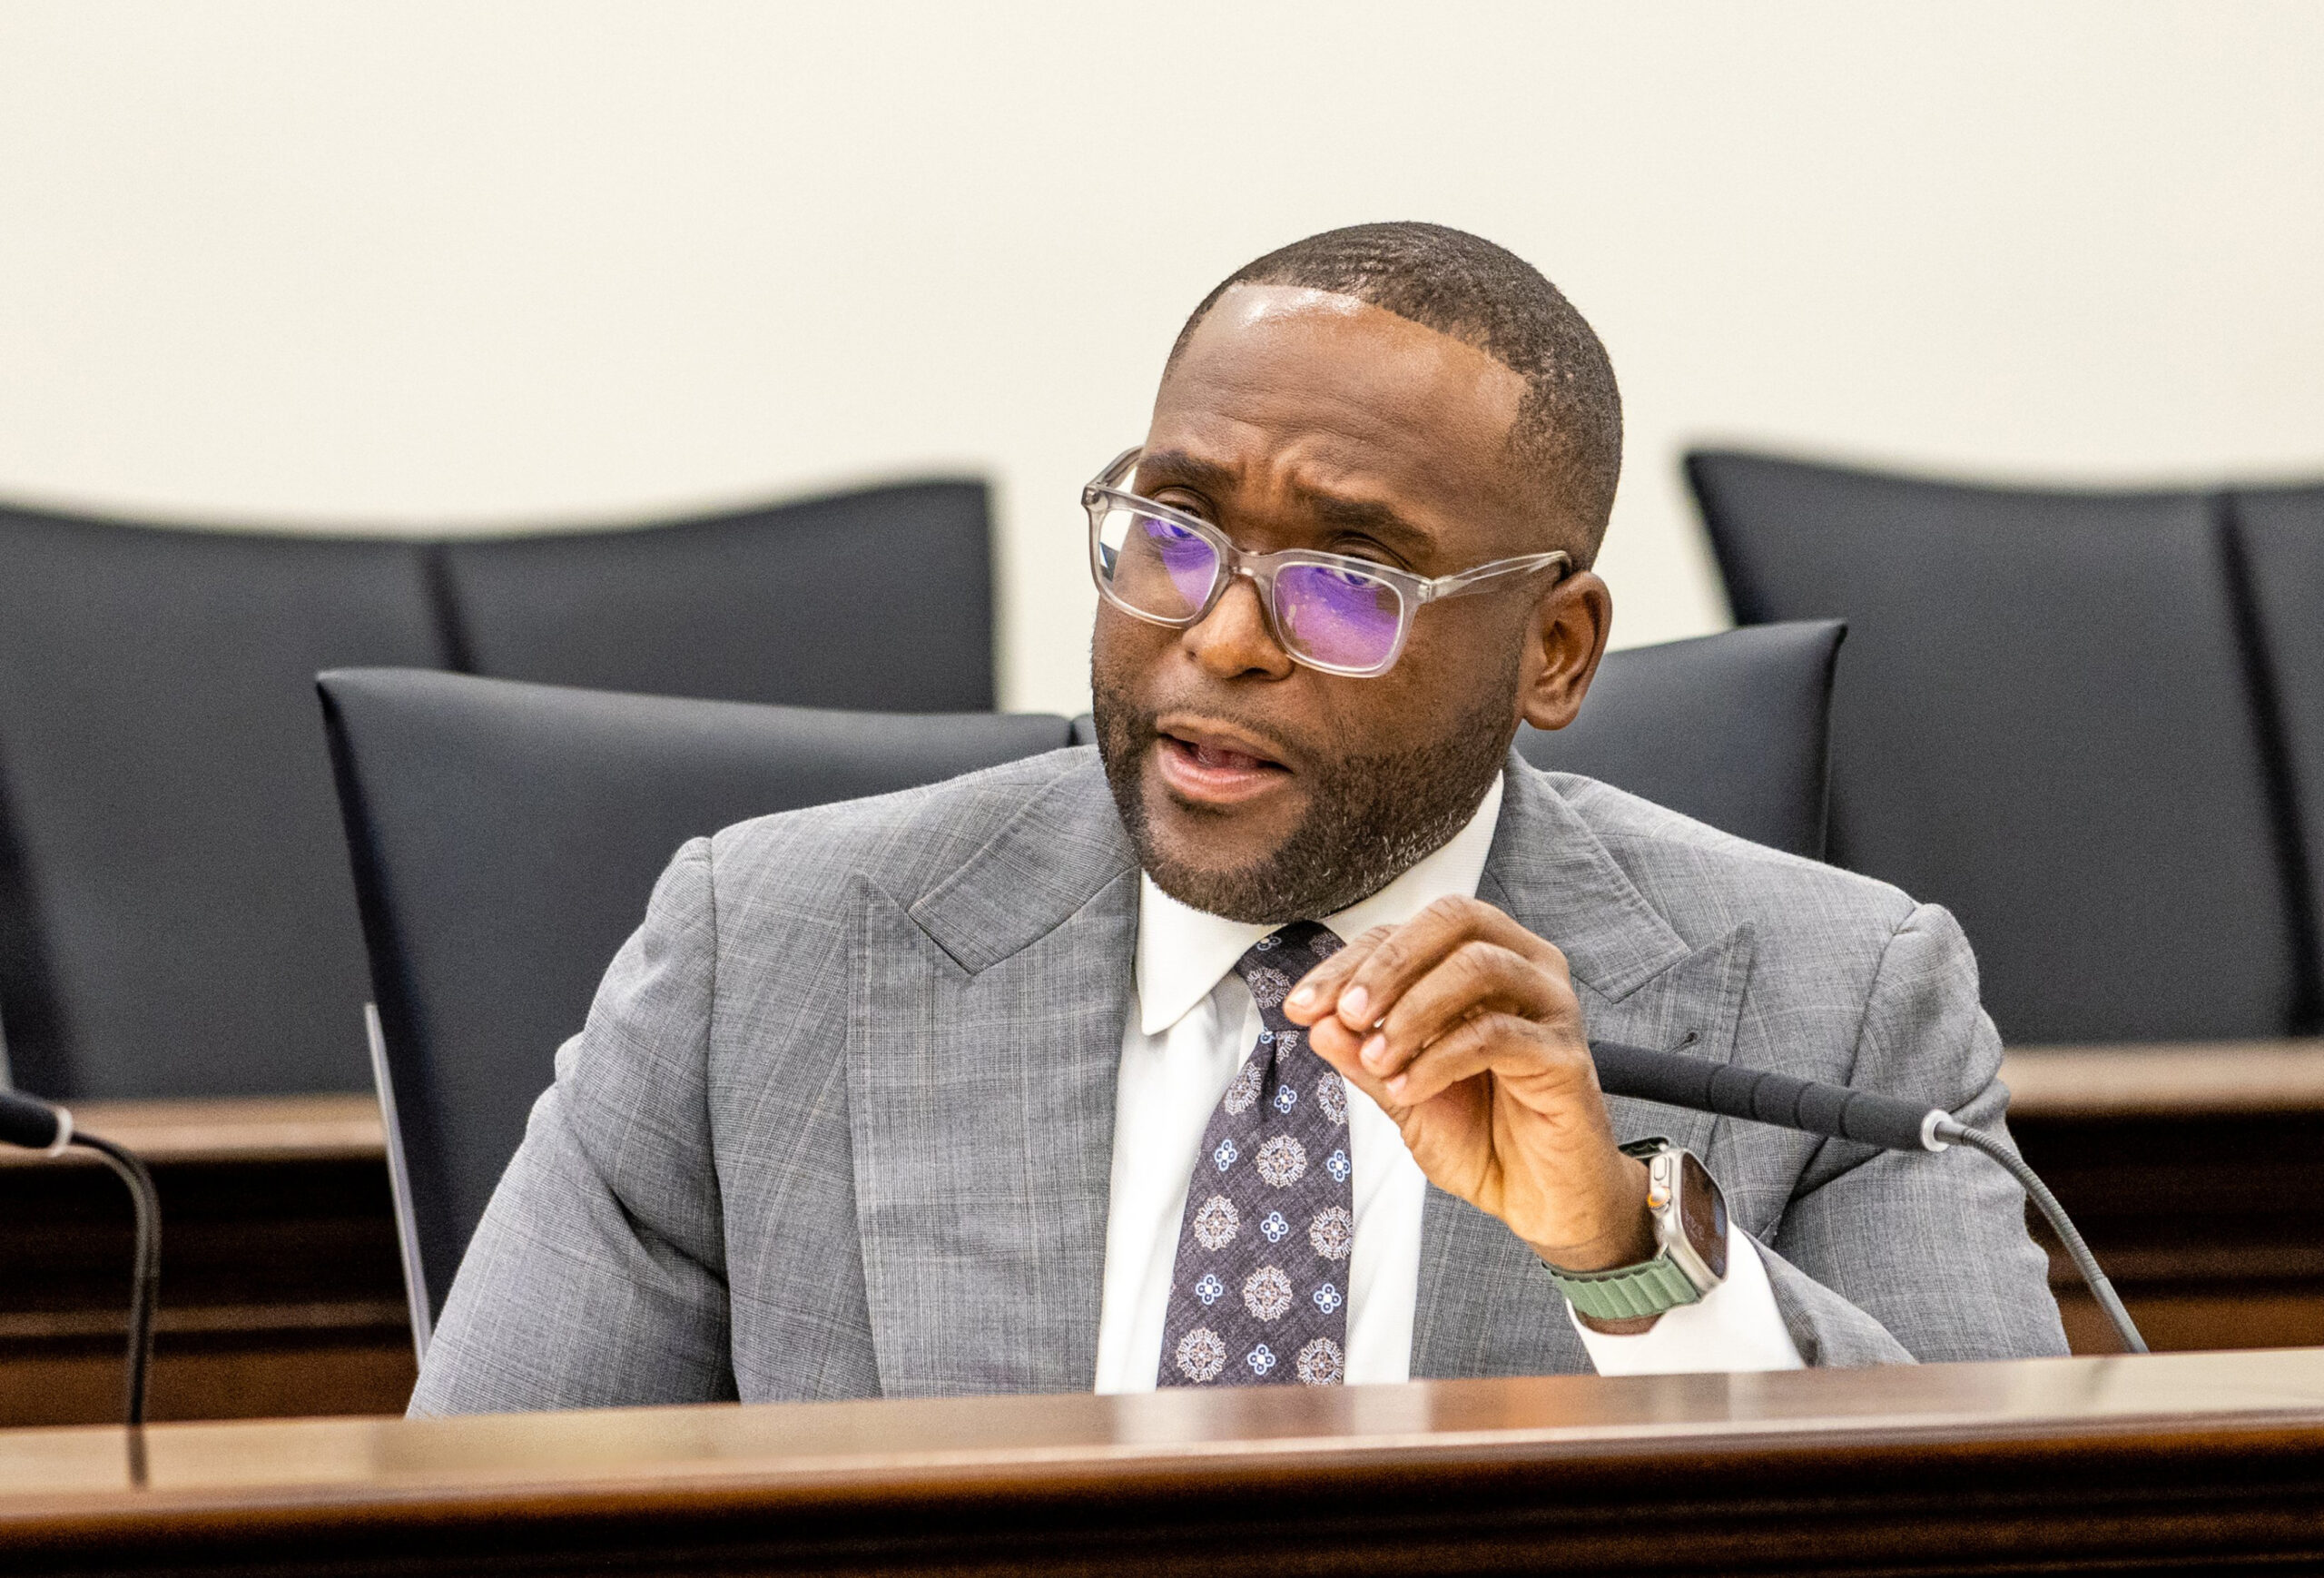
(1370, 818)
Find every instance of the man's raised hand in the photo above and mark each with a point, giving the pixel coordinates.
(1464, 1028)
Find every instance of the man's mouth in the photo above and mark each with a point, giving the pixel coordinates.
(1215, 767)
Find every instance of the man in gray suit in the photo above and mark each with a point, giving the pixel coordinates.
(1250, 1048)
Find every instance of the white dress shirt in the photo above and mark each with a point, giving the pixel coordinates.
(1192, 1022)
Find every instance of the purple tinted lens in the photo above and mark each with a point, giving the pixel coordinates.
(1337, 617)
(1167, 568)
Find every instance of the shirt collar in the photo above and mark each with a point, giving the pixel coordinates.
(1184, 953)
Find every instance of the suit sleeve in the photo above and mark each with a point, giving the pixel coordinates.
(597, 1276)
(1884, 1256)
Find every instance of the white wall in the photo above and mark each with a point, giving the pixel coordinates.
(445, 262)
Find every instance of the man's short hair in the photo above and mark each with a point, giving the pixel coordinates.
(1568, 427)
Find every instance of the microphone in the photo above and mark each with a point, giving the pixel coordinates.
(34, 1125)
(1842, 1112)
(1700, 1085)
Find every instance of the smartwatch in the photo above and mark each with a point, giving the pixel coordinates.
(1690, 1231)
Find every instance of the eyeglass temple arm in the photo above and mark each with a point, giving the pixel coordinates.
(1468, 581)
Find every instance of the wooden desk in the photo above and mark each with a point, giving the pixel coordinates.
(281, 1292)
(2197, 1174)
(2134, 1465)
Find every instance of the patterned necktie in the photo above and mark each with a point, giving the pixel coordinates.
(1259, 1294)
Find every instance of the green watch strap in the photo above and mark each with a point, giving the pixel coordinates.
(1627, 1292)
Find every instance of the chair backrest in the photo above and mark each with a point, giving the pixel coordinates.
(877, 599)
(2280, 535)
(2045, 723)
(174, 912)
(505, 838)
(175, 917)
(1731, 729)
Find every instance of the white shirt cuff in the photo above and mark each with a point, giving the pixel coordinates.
(1734, 1326)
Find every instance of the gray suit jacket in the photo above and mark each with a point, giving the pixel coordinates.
(839, 1123)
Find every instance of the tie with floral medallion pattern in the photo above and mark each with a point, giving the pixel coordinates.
(1259, 1292)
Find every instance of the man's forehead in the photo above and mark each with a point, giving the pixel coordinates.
(1337, 390)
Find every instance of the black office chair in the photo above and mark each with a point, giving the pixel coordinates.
(2279, 532)
(877, 599)
(175, 917)
(1731, 729)
(504, 839)
(2043, 724)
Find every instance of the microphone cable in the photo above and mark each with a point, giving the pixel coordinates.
(34, 1125)
(2102, 1287)
(1843, 1113)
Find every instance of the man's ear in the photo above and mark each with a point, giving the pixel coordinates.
(1564, 642)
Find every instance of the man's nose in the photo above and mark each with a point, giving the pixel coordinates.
(1233, 639)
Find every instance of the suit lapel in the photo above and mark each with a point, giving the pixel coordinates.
(1485, 1307)
(985, 1033)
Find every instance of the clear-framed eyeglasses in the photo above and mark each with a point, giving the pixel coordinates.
(1328, 611)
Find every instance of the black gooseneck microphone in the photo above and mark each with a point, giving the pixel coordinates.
(1841, 1112)
(36, 1126)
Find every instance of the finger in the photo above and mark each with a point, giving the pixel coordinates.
(1471, 1049)
(1412, 948)
(1510, 1046)
(1475, 977)
(1319, 989)
(1336, 1045)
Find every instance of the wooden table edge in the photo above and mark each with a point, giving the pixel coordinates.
(2131, 1079)
(238, 1129)
(2165, 1079)
(1078, 1471)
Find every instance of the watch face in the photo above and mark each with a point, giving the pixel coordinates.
(1702, 1214)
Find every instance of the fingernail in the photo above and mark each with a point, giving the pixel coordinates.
(1376, 1051)
(1302, 997)
(1354, 1001)
(1396, 1086)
